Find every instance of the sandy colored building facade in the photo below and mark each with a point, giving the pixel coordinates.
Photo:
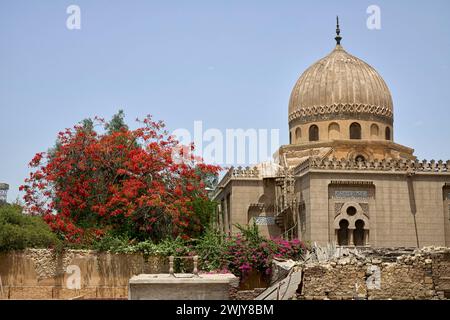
(342, 178)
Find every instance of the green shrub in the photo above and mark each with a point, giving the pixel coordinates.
(210, 248)
(112, 244)
(166, 247)
(19, 231)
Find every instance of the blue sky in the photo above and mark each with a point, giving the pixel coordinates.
(231, 64)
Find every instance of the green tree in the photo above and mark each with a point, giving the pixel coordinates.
(117, 123)
(19, 231)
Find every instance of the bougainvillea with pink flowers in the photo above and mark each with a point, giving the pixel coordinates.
(248, 251)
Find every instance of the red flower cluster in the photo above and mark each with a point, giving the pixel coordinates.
(92, 182)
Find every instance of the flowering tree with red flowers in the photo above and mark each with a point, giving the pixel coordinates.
(138, 183)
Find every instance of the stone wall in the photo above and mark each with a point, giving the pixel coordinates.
(245, 294)
(387, 207)
(396, 273)
(379, 274)
(44, 274)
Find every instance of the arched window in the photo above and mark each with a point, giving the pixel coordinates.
(374, 131)
(388, 133)
(360, 158)
(298, 134)
(342, 233)
(314, 133)
(355, 131)
(358, 233)
(334, 131)
(290, 137)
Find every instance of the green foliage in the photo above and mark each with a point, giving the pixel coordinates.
(19, 231)
(112, 244)
(117, 123)
(166, 247)
(87, 125)
(210, 249)
(239, 254)
(204, 211)
(251, 233)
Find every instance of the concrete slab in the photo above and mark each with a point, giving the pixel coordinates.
(181, 286)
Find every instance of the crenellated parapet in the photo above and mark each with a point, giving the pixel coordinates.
(245, 172)
(239, 173)
(386, 165)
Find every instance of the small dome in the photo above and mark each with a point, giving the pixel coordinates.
(340, 86)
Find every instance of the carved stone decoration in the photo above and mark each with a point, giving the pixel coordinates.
(264, 221)
(337, 208)
(342, 194)
(365, 208)
(393, 165)
(351, 218)
(342, 112)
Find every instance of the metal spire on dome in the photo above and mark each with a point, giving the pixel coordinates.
(338, 38)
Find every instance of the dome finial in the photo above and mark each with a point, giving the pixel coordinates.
(338, 38)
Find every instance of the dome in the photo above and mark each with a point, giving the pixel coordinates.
(340, 86)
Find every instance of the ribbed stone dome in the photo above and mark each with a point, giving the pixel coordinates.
(340, 86)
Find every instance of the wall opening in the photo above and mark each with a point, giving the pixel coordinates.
(374, 131)
(314, 133)
(342, 233)
(355, 131)
(358, 233)
(298, 134)
(334, 131)
(351, 211)
(388, 133)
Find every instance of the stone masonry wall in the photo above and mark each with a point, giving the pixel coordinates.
(44, 274)
(395, 273)
(379, 274)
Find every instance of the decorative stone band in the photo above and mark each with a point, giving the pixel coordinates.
(241, 173)
(247, 172)
(393, 165)
(351, 182)
(342, 111)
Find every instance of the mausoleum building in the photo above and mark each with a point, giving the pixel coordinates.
(342, 178)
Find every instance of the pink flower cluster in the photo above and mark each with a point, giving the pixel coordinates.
(243, 256)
